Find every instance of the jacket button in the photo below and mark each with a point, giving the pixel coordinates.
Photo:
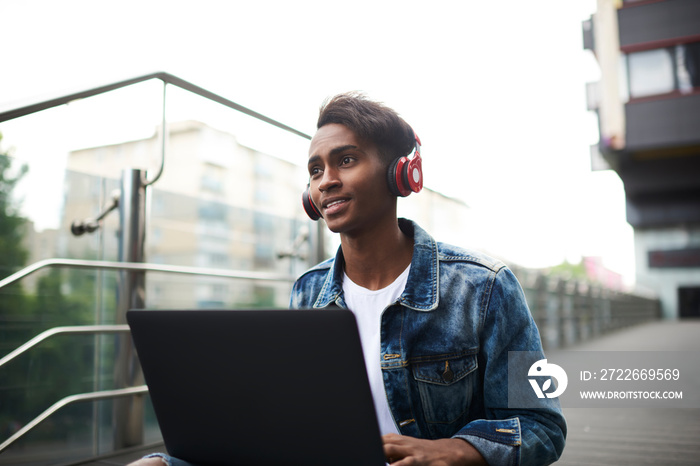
(448, 376)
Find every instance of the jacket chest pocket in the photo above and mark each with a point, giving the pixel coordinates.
(446, 387)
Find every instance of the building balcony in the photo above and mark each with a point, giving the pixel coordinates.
(664, 122)
(650, 25)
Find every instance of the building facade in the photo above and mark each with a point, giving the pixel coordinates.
(218, 205)
(648, 104)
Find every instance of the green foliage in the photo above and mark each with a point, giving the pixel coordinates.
(12, 254)
(59, 366)
(570, 271)
(62, 365)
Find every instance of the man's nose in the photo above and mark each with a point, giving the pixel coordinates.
(329, 180)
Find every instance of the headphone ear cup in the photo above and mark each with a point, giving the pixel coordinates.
(405, 176)
(394, 177)
(413, 174)
(309, 206)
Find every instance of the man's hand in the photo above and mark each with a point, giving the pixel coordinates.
(149, 462)
(401, 450)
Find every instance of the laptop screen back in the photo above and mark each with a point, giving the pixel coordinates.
(252, 387)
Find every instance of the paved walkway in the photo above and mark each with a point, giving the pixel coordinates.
(637, 436)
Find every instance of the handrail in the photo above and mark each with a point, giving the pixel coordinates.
(236, 274)
(24, 110)
(72, 330)
(92, 396)
(167, 78)
(163, 138)
(142, 266)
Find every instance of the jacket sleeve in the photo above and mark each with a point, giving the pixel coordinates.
(295, 296)
(512, 435)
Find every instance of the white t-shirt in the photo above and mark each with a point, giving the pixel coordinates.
(368, 305)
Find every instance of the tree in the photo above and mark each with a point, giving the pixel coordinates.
(60, 366)
(570, 271)
(15, 321)
(13, 254)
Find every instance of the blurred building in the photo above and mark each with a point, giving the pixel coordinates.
(648, 104)
(218, 205)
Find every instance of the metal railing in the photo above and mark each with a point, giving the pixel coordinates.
(144, 267)
(131, 265)
(93, 329)
(166, 78)
(569, 311)
(74, 330)
(93, 396)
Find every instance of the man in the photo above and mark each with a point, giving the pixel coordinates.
(436, 321)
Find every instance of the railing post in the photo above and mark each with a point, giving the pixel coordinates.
(562, 314)
(538, 286)
(606, 309)
(317, 244)
(597, 309)
(579, 307)
(584, 289)
(128, 413)
(569, 311)
(551, 309)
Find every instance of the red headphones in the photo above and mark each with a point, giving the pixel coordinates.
(404, 176)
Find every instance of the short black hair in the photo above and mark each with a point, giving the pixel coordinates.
(371, 121)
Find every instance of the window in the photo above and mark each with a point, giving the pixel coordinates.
(213, 211)
(213, 178)
(650, 72)
(218, 260)
(665, 70)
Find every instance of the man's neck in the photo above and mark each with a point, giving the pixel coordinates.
(376, 258)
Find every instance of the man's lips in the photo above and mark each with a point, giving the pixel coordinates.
(332, 206)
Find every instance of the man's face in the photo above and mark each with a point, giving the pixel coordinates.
(348, 180)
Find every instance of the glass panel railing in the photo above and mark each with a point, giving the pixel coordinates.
(224, 201)
(76, 432)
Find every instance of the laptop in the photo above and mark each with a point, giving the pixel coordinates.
(259, 387)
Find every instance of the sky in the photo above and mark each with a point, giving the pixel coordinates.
(495, 90)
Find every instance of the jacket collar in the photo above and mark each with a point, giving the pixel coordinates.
(421, 292)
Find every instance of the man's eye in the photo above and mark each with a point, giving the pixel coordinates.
(346, 160)
(314, 171)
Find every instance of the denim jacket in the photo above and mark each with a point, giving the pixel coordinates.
(444, 351)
